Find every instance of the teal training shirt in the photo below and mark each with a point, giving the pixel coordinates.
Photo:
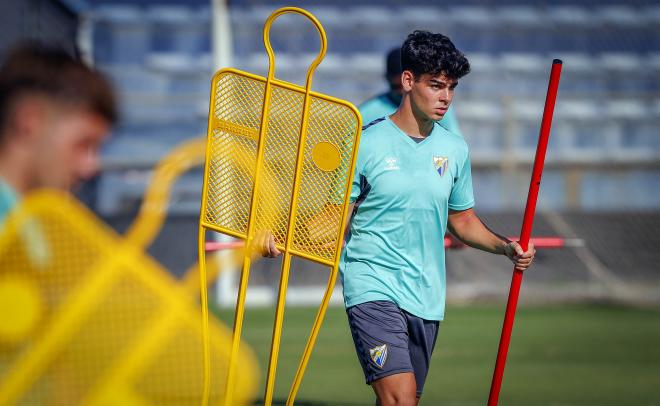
(36, 242)
(402, 192)
(8, 200)
(383, 105)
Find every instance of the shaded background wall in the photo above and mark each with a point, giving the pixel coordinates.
(49, 21)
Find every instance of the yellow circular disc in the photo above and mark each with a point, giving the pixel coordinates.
(326, 156)
(20, 309)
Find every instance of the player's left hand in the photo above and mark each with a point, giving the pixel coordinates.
(264, 243)
(521, 260)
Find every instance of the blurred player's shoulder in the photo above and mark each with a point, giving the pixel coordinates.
(375, 102)
(377, 107)
(453, 134)
(456, 137)
(372, 134)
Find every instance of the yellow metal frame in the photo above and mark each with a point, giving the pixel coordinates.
(142, 232)
(152, 213)
(114, 260)
(270, 82)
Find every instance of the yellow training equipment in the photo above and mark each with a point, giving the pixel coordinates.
(87, 318)
(279, 159)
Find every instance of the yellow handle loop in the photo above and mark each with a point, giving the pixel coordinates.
(269, 48)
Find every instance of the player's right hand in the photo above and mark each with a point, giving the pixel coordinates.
(264, 243)
(521, 260)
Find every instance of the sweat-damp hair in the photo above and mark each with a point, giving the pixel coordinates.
(424, 52)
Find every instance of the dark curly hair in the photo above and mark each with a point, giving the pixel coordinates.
(425, 52)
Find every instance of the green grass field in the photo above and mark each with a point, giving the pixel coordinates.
(568, 355)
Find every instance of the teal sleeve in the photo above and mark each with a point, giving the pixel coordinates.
(450, 122)
(358, 172)
(369, 114)
(462, 196)
(376, 107)
(8, 201)
(356, 185)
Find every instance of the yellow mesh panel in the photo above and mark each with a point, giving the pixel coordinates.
(105, 331)
(318, 224)
(233, 143)
(89, 319)
(165, 388)
(290, 177)
(279, 162)
(232, 163)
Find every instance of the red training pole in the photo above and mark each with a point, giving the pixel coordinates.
(526, 231)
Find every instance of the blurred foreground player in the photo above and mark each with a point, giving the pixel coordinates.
(54, 114)
(387, 103)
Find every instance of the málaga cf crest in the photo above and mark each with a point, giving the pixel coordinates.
(440, 163)
(379, 355)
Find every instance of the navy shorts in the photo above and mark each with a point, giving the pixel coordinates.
(389, 340)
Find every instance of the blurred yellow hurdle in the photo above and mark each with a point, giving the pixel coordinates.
(88, 318)
(279, 159)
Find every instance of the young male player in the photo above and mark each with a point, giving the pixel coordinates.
(54, 113)
(386, 103)
(412, 183)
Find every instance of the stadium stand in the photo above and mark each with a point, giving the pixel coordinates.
(604, 157)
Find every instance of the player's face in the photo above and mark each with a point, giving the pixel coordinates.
(67, 148)
(430, 95)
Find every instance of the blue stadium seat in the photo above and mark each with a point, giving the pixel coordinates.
(521, 16)
(581, 73)
(137, 79)
(584, 132)
(160, 58)
(619, 15)
(570, 16)
(625, 71)
(124, 35)
(424, 18)
(471, 16)
(169, 13)
(481, 123)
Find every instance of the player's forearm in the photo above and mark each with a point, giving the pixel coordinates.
(471, 231)
(482, 238)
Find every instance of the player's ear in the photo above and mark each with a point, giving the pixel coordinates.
(26, 118)
(407, 80)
